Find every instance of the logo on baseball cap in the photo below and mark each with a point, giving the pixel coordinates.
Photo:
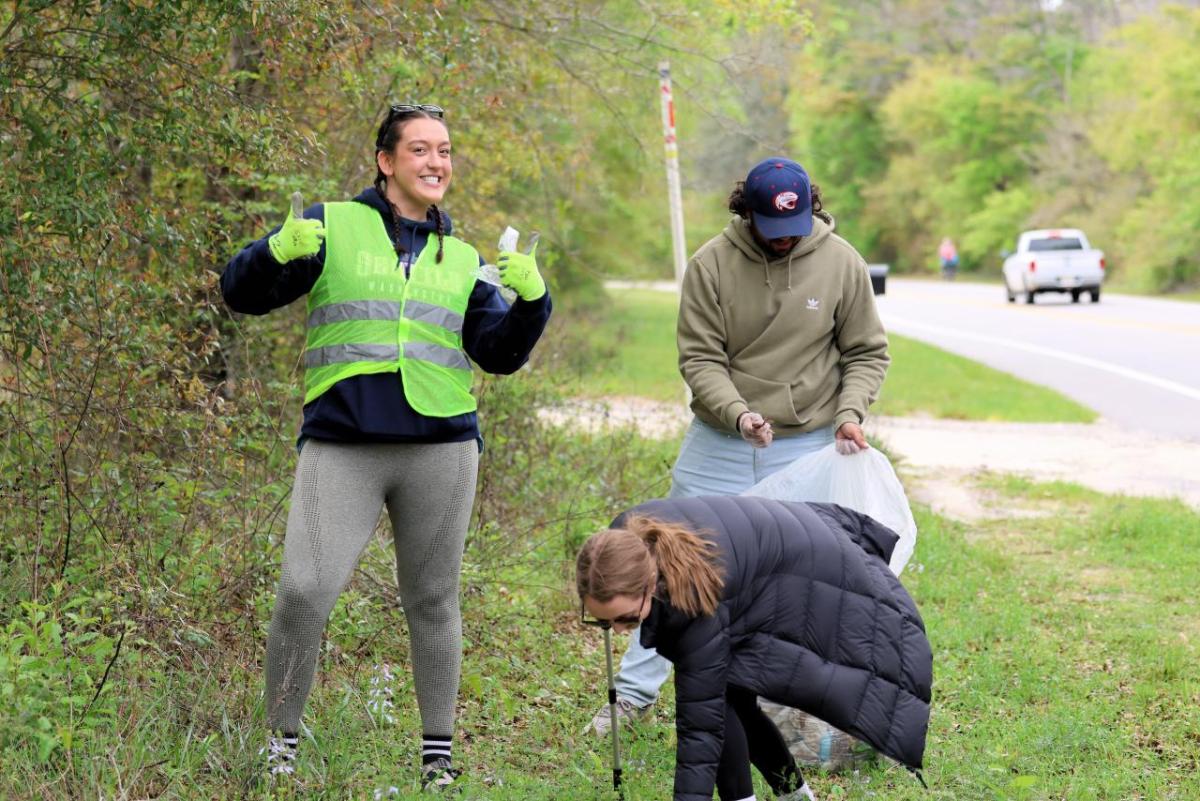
(780, 198)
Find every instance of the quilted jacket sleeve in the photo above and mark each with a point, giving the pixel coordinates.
(700, 677)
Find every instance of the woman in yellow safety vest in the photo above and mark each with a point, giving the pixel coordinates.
(395, 316)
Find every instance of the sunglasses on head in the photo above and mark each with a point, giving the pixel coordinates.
(401, 109)
(632, 619)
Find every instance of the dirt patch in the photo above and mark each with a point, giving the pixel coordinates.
(940, 459)
(957, 494)
(1100, 455)
(652, 419)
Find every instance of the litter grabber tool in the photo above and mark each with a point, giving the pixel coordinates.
(612, 712)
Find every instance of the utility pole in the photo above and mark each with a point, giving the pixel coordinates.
(674, 195)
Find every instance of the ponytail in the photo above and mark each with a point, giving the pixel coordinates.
(623, 561)
(686, 563)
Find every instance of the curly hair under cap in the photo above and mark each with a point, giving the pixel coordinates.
(741, 207)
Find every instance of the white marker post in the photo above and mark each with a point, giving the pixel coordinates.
(672, 147)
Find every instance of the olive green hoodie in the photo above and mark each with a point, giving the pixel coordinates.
(796, 339)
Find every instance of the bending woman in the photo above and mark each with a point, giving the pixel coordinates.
(394, 314)
(751, 597)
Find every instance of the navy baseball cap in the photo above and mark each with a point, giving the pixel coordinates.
(780, 198)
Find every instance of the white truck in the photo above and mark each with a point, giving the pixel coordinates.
(1053, 260)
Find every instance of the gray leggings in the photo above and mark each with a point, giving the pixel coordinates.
(338, 493)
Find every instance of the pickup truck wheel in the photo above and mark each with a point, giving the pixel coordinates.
(1096, 295)
(1074, 295)
(1009, 296)
(1029, 293)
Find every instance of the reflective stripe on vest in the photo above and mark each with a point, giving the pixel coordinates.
(354, 310)
(446, 357)
(365, 316)
(434, 315)
(336, 354)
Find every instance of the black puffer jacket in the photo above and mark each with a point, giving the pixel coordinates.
(811, 617)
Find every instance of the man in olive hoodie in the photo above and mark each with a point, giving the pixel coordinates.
(782, 347)
(778, 332)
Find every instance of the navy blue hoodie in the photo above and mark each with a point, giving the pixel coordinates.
(373, 408)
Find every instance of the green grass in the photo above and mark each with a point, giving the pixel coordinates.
(1065, 647)
(1191, 295)
(636, 340)
(635, 344)
(925, 380)
(1065, 657)
(1065, 653)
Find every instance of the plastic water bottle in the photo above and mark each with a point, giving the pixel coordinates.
(508, 239)
(490, 273)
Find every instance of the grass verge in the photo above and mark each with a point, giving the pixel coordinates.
(635, 342)
(1065, 646)
(1065, 656)
(1190, 293)
(925, 380)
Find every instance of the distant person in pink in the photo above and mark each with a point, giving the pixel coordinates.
(948, 256)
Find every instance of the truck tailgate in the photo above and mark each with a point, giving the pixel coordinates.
(1068, 268)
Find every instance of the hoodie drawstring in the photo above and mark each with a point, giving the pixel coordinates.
(767, 268)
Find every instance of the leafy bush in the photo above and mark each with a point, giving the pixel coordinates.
(54, 658)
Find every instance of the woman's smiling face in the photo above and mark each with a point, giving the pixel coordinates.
(418, 168)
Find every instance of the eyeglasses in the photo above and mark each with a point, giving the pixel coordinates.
(632, 619)
(410, 108)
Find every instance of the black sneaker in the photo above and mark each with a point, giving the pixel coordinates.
(438, 775)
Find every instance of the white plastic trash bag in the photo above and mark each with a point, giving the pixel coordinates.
(864, 482)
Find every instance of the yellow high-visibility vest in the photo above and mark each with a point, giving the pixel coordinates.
(365, 316)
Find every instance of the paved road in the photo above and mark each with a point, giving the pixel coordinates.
(1134, 360)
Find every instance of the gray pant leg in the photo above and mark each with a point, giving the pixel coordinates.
(336, 500)
(430, 510)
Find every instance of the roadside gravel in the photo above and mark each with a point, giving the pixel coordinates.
(938, 456)
(1098, 455)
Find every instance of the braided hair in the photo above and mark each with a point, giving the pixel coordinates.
(438, 227)
(386, 138)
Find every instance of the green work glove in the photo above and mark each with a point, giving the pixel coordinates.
(296, 239)
(519, 272)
